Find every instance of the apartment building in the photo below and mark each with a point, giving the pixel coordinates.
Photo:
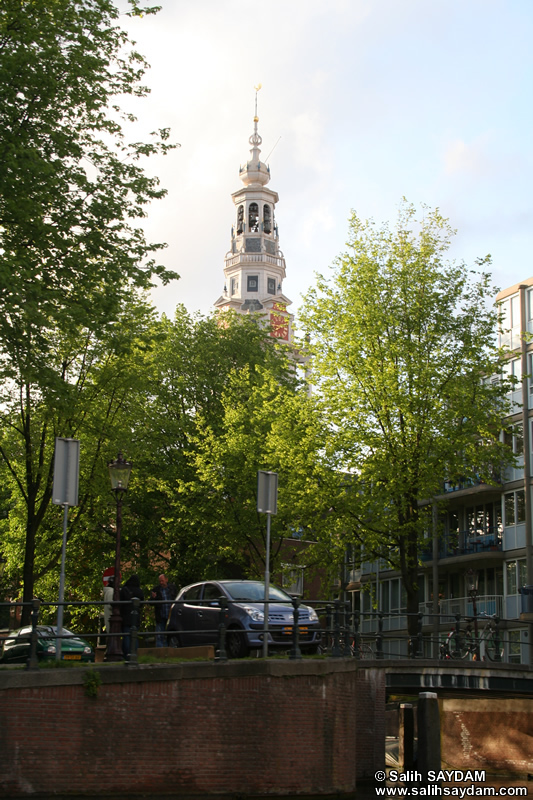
(482, 548)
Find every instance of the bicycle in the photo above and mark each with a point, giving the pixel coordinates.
(464, 644)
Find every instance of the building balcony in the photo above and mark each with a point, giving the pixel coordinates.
(486, 606)
(254, 258)
(465, 543)
(469, 486)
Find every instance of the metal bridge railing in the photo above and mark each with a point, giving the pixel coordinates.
(343, 632)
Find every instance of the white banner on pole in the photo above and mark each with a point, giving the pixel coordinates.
(267, 492)
(66, 472)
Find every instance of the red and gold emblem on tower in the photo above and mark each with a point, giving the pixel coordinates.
(279, 322)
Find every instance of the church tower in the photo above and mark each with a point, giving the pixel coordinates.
(254, 267)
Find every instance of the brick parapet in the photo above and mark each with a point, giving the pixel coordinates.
(252, 727)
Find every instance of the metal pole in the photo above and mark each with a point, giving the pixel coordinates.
(59, 623)
(435, 610)
(267, 589)
(114, 648)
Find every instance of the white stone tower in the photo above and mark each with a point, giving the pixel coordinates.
(254, 268)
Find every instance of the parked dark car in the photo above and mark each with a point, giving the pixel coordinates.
(195, 617)
(17, 646)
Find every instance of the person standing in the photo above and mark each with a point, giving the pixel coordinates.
(164, 593)
(131, 589)
(108, 600)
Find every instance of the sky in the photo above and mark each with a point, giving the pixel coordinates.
(363, 102)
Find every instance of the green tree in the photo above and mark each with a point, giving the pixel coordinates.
(95, 404)
(72, 192)
(221, 401)
(403, 353)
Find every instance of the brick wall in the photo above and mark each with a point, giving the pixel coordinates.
(251, 727)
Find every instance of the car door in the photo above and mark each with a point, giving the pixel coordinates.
(20, 647)
(186, 609)
(208, 614)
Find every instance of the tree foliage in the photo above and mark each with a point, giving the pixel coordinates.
(73, 257)
(71, 187)
(403, 356)
(223, 402)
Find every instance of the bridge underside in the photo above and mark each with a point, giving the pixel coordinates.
(457, 677)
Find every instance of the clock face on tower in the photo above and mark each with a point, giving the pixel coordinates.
(279, 322)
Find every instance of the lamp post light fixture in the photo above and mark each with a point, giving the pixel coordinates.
(119, 473)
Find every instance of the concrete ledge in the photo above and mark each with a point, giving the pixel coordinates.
(202, 651)
(183, 670)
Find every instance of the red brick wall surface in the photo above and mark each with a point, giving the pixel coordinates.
(248, 727)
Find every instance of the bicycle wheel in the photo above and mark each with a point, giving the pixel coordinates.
(461, 646)
(493, 647)
(365, 651)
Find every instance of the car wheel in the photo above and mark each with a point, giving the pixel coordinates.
(174, 640)
(236, 643)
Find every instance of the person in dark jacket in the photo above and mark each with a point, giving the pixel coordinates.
(164, 593)
(131, 589)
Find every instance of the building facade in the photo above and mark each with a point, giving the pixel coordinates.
(482, 546)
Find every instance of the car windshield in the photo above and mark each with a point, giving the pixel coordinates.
(254, 592)
(51, 630)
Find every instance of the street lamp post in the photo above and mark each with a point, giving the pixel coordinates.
(472, 580)
(119, 473)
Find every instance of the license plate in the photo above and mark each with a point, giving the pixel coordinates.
(287, 631)
(72, 657)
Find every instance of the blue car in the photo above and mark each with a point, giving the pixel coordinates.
(195, 616)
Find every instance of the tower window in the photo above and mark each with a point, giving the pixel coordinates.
(267, 219)
(234, 285)
(240, 220)
(271, 285)
(253, 283)
(253, 218)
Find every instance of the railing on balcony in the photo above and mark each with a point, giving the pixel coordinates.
(465, 543)
(486, 605)
(250, 258)
(470, 482)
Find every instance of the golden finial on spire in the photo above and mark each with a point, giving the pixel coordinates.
(255, 139)
(257, 88)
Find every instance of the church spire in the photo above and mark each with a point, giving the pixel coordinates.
(254, 268)
(255, 171)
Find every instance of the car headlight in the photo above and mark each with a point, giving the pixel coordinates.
(254, 613)
(51, 649)
(313, 616)
(87, 651)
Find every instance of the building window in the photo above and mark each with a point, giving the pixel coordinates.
(515, 507)
(234, 286)
(240, 220)
(267, 219)
(509, 335)
(253, 218)
(271, 285)
(484, 518)
(253, 283)
(514, 368)
(393, 596)
(514, 438)
(515, 650)
(515, 572)
(292, 579)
